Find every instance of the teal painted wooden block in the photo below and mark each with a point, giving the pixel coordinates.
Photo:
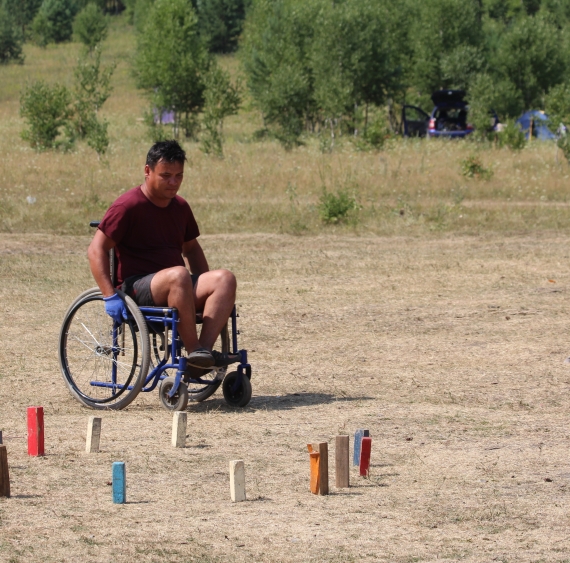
(119, 482)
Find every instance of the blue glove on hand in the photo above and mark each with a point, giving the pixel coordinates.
(115, 308)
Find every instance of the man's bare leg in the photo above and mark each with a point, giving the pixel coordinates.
(214, 295)
(173, 287)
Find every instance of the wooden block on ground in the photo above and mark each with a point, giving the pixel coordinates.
(237, 480)
(342, 465)
(93, 435)
(35, 431)
(119, 482)
(1, 442)
(358, 435)
(179, 429)
(323, 449)
(365, 456)
(4, 475)
(314, 460)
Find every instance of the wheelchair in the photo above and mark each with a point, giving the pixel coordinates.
(106, 364)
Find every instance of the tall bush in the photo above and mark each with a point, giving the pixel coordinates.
(222, 99)
(172, 60)
(47, 111)
(91, 90)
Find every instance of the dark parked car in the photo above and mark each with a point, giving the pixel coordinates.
(448, 117)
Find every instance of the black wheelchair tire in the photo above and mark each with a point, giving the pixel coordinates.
(241, 396)
(180, 400)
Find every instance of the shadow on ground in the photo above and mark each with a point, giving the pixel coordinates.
(277, 402)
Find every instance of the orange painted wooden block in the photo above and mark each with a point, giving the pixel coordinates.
(4, 475)
(314, 456)
(35, 431)
(365, 449)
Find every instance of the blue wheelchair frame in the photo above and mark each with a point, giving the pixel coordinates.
(168, 317)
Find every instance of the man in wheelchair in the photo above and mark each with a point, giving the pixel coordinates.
(152, 230)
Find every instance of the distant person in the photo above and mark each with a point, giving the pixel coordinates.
(153, 230)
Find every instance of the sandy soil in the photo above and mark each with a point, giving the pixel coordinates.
(451, 351)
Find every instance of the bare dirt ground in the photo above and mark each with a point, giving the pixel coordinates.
(449, 350)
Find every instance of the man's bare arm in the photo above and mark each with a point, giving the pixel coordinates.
(98, 254)
(193, 252)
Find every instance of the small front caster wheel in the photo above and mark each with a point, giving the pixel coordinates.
(179, 401)
(239, 397)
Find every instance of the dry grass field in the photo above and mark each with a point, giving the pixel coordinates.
(410, 188)
(450, 350)
(437, 318)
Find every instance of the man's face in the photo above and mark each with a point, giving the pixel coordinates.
(164, 181)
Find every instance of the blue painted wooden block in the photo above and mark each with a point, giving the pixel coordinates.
(358, 435)
(119, 482)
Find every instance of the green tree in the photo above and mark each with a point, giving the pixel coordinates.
(222, 99)
(90, 26)
(53, 22)
(353, 60)
(440, 35)
(47, 111)
(557, 105)
(172, 60)
(22, 12)
(11, 39)
(530, 57)
(489, 94)
(276, 57)
(221, 23)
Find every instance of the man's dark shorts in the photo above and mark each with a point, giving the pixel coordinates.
(138, 288)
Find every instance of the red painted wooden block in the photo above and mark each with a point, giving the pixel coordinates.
(35, 431)
(365, 450)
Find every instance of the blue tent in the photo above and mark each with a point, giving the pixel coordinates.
(540, 128)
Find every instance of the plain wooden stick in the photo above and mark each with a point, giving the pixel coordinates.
(93, 435)
(4, 474)
(237, 480)
(179, 429)
(342, 466)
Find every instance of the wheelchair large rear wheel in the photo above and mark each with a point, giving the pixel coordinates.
(103, 364)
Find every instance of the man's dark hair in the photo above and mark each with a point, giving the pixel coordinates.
(167, 151)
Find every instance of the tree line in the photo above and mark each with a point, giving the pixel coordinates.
(329, 67)
(52, 21)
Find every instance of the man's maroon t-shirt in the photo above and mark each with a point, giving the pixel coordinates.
(148, 238)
